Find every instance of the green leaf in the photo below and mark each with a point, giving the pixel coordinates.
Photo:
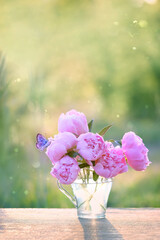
(111, 140)
(119, 142)
(116, 141)
(73, 154)
(95, 176)
(83, 165)
(104, 130)
(93, 162)
(90, 124)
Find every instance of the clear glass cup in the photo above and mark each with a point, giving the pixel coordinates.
(90, 198)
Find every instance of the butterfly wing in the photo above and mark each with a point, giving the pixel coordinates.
(42, 142)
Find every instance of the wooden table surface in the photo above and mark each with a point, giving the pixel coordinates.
(57, 224)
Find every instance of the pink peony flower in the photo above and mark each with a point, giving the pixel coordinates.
(62, 143)
(66, 170)
(90, 146)
(111, 163)
(135, 151)
(74, 122)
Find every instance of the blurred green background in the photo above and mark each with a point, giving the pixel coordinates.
(96, 56)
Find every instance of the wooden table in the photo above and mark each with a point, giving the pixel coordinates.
(57, 224)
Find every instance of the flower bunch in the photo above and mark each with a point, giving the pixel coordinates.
(75, 147)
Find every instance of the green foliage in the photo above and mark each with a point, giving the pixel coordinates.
(95, 176)
(73, 154)
(90, 125)
(83, 165)
(104, 130)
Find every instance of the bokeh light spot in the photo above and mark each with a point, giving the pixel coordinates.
(36, 164)
(116, 23)
(26, 192)
(135, 21)
(150, 1)
(16, 150)
(143, 23)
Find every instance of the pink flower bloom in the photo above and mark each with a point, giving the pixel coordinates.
(74, 122)
(135, 151)
(62, 143)
(111, 163)
(90, 146)
(66, 170)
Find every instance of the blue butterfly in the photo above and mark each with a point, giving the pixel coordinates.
(42, 142)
